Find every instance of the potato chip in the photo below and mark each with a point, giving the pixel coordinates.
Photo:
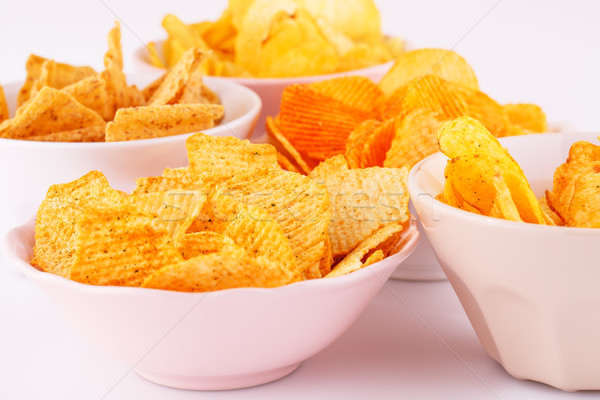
(364, 55)
(414, 139)
(65, 75)
(158, 184)
(584, 208)
(147, 122)
(527, 116)
(218, 271)
(466, 136)
(362, 200)
(57, 215)
(286, 148)
(117, 247)
(206, 242)
(297, 203)
(550, 212)
(503, 206)
(286, 164)
(50, 111)
(364, 253)
(4, 112)
(417, 64)
(184, 34)
(368, 144)
(485, 109)
(355, 91)
(226, 156)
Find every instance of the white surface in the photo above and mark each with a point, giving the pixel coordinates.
(414, 340)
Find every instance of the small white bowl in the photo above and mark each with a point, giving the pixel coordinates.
(269, 89)
(207, 341)
(28, 168)
(530, 291)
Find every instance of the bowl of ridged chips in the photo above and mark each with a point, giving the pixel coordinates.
(66, 120)
(223, 274)
(267, 45)
(515, 225)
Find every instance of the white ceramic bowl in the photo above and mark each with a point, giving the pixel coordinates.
(531, 292)
(220, 340)
(28, 168)
(269, 89)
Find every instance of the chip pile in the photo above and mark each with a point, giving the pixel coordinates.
(62, 103)
(481, 177)
(232, 218)
(393, 123)
(282, 38)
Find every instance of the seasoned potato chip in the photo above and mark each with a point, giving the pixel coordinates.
(584, 208)
(4, 113)
(65, 75)
(147, 122)
(286, 164)
(298, 204)
(362, 200)
(503, 206)
(549, 211)
(368, 144)
(414, 139)
(284, 146)
(50, 111)
(446, 64)
(527, 116)
(116, 247)
(355, 91)
(158, 184)
(198, 243)
(364, 253)
(485, 109)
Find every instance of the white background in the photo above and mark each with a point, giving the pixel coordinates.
(414, 341)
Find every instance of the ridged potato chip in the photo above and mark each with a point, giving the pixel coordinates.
(355, 91)
(369, 142)
(197, 243)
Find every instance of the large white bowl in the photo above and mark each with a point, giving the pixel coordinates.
(220, 340)
(531, 292)
(28, 168)
(269, 89)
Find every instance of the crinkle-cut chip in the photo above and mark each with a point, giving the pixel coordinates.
(356, 91)
(362, 201)
(298, 204)
(372, 244)
(431, 92)
(65, 75)
(368, 144)
(315, 124)
(549, 212)
(257, 231)
(584, 208)
(414, 139)
(195, 91)
(173, 210)
(527, 116)
(416, 64)
(58, 212)
(218, 271)
(171, 89)
(158, 184)
(119, 248)
(50, 111)
(93, 93)
(149, 90)
(485, 109)
(198, 243)
(4, 112)
(147, 122)
(503, 205)
(284, 146)
(89, 134)
(186, 176)
(466, 136)
(224, 156)
(286, 164)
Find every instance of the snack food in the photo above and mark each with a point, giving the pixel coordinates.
(392, 123)
(64, 103)
(282, 38)
(232, 218)
(481, 177)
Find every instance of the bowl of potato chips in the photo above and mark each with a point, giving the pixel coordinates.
(268, 45)
(66, 120)
(223, 274)
(516, 233)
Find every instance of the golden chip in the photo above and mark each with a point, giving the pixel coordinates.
(93, 93)
(527, 116)
(197, 243)
(4, 112)
(368, 144)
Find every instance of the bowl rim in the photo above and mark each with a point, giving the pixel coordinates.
(141, 56)
(254, 107)
(334, 283)
(414, 189)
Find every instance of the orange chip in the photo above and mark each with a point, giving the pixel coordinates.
(50, 111)
(4, 112)
(158, 121)
(198, 243)
(284, 146)
(149, 90)
(527, 116)
(93, 93)
(356, 91)
(487, 111)
(368, 144)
